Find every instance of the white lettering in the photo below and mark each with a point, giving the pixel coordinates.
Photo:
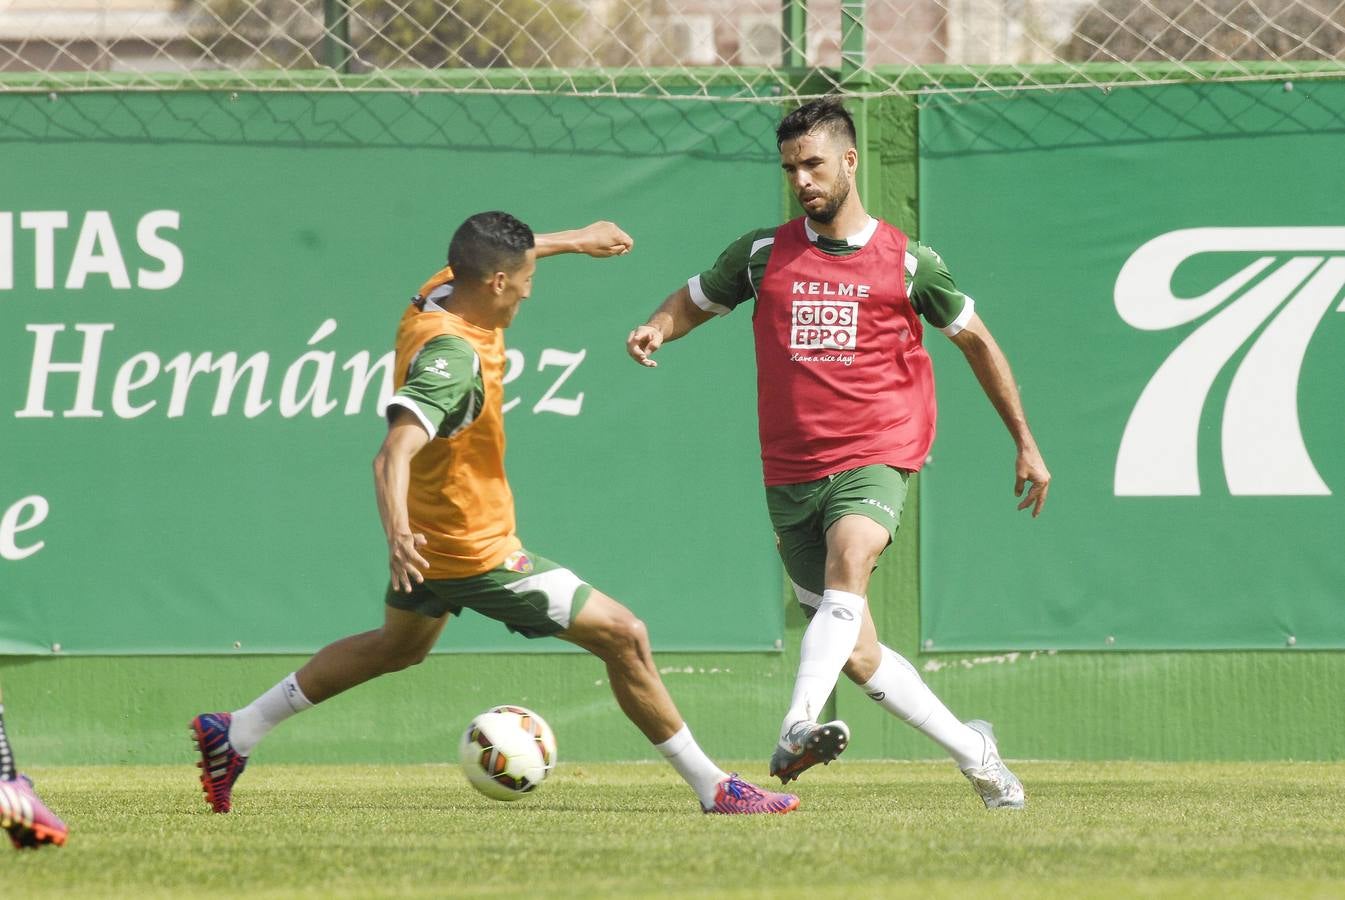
(231, 373)
(185, 367)
(565, 406)
(97, 249)
(87, 369)
(513, 368)
(307, 382)
(834, 338)
(97, 252)
(361, 374)
(127, 381)
(844, 359)
(147, 236)
(824, 324)
(44, 226)
(827, 289)
(317, 397)
(881, 505)
(6, 251)
(12, 524)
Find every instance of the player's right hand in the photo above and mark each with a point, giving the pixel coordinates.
(405, 561)
(602, 239)
(642, 343)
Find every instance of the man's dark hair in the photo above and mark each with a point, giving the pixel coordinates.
(826, 114)
(487, 243)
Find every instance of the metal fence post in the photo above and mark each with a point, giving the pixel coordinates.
(854, 79)
(336, 35)
(852, 42)
(794, 34)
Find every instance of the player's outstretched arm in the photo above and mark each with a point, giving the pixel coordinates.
(601, 239)
(991, 367)
(675, 317)
(392, 475)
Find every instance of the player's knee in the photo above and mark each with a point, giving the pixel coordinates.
(638, 635)
(625, 637)
(397, 657)
(853, 560)
(415, 657)
(631, 635)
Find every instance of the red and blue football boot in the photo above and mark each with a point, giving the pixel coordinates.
(220, 766)
(733, 796)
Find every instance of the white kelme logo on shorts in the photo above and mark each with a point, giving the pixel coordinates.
(881, 505)
(1263, 450)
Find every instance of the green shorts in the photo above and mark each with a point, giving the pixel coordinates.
(802, 513)
(531, 595)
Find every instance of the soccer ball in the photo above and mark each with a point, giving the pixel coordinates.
(507, 751)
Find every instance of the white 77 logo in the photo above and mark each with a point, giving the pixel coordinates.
(1263, 450)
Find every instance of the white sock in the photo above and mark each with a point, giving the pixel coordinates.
(693, 765)
(900, 690)
(827, 644)
(252, 723)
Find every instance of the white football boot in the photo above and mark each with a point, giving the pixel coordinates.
(994, 783)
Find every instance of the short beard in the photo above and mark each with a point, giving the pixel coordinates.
(834, 203)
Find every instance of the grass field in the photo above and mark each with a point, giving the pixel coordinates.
(628, 830)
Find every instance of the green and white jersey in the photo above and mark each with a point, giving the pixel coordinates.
(736, 276)
(443, 386)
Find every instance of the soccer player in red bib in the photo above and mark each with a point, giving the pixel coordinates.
(845, 394)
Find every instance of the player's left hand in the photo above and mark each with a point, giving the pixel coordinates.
(1033, 475)
(603, 239)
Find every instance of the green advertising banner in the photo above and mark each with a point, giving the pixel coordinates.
(1165, 268)
(198, 296)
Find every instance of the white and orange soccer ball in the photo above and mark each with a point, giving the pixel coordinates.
(507, 752)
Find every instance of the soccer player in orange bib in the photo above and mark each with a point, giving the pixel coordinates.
(448, 515)
(845, 396)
